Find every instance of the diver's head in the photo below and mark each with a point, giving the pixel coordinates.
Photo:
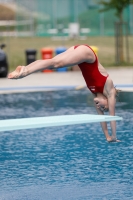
(101, 102)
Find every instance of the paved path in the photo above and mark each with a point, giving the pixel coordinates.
(122, 78)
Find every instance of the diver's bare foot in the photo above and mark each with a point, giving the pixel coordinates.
(20, 72)
(111, 139)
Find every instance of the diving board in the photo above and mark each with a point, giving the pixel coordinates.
(39, 122)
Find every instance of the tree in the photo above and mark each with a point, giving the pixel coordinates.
(118, 6)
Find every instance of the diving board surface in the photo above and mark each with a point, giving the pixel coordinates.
(39, 122)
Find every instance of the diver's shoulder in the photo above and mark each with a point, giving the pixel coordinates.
(109, 79)
(109, 82)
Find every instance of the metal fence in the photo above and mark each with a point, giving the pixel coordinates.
(67, 17)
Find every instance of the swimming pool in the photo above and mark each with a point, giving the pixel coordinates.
(69, 162)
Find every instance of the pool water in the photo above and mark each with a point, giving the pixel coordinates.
(67, 162)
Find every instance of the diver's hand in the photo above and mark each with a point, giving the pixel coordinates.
(20, 72)
(112, 139)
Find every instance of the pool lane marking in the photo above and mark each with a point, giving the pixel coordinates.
(77, 87)
(124, 85)
(37, 87)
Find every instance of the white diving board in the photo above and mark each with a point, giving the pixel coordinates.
(39, 122)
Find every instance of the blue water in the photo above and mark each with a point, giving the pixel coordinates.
(68, 162)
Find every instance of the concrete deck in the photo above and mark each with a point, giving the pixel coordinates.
(122, 78)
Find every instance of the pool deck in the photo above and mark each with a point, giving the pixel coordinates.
(122, 78)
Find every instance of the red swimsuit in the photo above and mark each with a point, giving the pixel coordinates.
(95, 81)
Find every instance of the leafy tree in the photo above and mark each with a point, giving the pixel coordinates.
(118, 6)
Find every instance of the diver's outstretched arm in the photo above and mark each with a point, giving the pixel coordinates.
(105, 128)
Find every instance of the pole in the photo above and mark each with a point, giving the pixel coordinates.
(101, 23)
(127, 43)
(116, 43)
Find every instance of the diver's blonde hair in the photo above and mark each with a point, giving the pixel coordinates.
(117, 94)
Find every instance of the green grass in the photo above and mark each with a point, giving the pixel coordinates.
(16, 47)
